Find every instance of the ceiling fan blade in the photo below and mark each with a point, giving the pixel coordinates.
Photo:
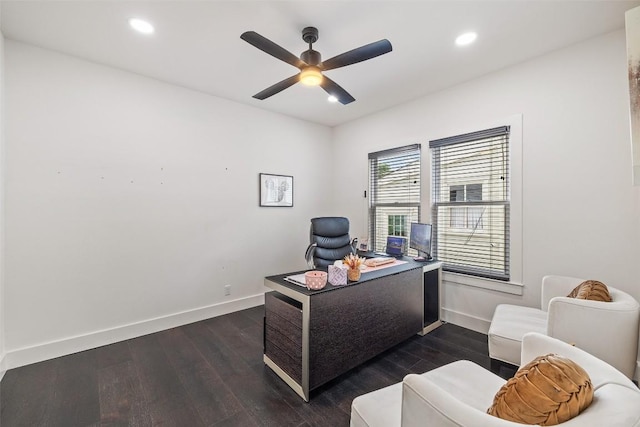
(333, 88)
(359, 54)
(267, 46)
(278, 87)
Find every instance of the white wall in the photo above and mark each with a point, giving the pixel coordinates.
(131, 203)
(2, 169)
(92, 257)
(581, 215)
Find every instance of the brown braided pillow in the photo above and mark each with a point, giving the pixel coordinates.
(591, 290)
(547, 391)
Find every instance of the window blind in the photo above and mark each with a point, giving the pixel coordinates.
(394, 194)
(470, 202)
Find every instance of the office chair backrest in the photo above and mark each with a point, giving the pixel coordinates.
(330, 235)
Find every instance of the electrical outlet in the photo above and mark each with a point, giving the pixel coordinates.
(227, 290)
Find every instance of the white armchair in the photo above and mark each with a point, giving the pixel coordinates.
(608, 330)
(459, 394)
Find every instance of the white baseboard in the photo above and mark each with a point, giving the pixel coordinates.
(49, 350)
(3, 369)
(466, 321)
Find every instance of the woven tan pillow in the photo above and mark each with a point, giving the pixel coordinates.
(591, 290)
(547, 391)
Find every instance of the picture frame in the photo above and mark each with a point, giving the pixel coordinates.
(276, 190)
(632, 25)
(363, 244)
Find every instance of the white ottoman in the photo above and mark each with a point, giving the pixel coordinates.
(508, 326)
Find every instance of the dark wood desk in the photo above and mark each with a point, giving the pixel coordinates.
(311, 337)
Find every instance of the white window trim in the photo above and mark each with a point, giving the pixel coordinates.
(509, 287)
(514, 285)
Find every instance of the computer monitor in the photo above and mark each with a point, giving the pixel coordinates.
(420, 239)
(396, 246)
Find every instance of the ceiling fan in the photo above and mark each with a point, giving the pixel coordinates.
(311, 65)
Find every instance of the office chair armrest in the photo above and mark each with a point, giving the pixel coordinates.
(308, 255)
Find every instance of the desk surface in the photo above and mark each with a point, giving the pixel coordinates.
(364, 277)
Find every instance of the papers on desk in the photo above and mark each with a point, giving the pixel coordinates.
(297, 279)
(378, 261)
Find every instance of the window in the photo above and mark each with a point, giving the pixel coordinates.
(468, 216)
(397, 225)
(394, 193)
(471, 207)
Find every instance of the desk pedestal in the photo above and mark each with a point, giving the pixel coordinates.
(431, 284)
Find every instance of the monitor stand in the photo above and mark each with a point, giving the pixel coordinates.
(425, 257)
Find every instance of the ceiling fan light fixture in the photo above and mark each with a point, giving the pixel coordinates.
(311, 76)
(332, 98)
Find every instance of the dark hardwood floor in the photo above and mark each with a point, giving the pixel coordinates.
(208, 373)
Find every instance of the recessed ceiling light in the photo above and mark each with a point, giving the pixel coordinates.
(332, 98)
(141, 26)
(466, 38)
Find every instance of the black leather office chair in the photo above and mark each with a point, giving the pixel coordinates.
(329, 241)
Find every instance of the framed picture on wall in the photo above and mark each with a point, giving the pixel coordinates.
(632, 23)
(276, 190)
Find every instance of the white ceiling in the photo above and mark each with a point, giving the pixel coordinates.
(197, 43)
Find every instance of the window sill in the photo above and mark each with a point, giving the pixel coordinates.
(477, 282)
